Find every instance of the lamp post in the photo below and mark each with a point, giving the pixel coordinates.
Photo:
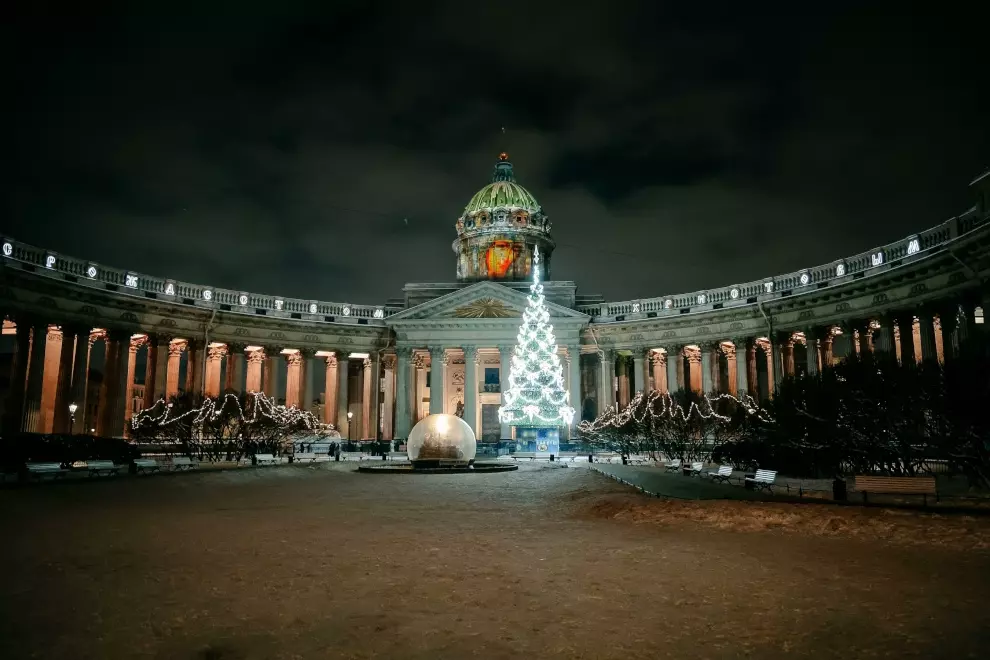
(72, 417)
(350, 416)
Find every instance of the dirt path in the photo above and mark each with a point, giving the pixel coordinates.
(307, 562)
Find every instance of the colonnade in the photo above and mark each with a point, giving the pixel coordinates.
(757, 365)
(51, 369)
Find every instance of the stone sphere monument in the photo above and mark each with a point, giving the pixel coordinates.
(441, 440)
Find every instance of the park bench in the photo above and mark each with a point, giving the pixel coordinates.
(352, 456)
(397, 456)
(146, 466)
(41, 470)
(265, 459)
(721, 475)
(694, 469)
(101, 468)
(763, 479)
(180, 463)
(304, 457)
(673, 466)
(923, 486)
(605, 458)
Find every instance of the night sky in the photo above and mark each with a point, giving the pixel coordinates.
(327, 153)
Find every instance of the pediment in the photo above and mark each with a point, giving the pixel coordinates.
(482, 301)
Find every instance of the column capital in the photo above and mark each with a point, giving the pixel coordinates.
(216, 352)
(138, 342)
(271, 350)
(366, 363)
(293, 359)
(176, 348)
(331, 360)
(256, 357)
(655, 357)
(388, 361)
(233, 347)
(161, 339)
(729, 350)
(403, 352)
(307, 353)
(195, 344)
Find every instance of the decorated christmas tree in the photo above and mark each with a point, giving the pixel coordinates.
(536, 396)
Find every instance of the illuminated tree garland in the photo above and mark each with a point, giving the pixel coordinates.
(160, 415)
(669, 408)
(536, 394)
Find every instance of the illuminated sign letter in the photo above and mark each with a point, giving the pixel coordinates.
(50, 261)
(91, 272)
(768, 286)
(207, 294)
(243, 300)
(876, 258)
(840, 270)
(169, 289)
(312, 308)
(8, 249)
(914, 246)
(278, 304)
(804, 278)
(131, 281)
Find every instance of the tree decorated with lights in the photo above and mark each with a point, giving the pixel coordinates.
(536, 396)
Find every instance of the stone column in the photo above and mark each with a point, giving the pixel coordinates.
(292, 361)
(234, 377)
(707, 350)
(214, 360)
(330, 390)
(404, 388)
(343, 364)
(574, 384)
(133, 346)
(504, 362)
(113, 403)
(53, 349)
(156, 375)
(80, 378)
(438, 371)
(196, 366)
(419, 387)
(606, 390)
(811, 351)
(13, 415)
(674, 373)
(471, 388)
(175, 350)
(622, 381)
(306, 379)
(773, 375)
(753, 380)
(948, 318)
(269, 371)
(255, 361)
(740, 358)
(388, 397)
(825, 349)
(367, 394)
(905, 324)
(787, 355)
(864, 337)
(884, 337)
(732, 369)
(658, 369)
(693, 373)
(35, 379)
(63, 386)
(641, 377)
(926, 326)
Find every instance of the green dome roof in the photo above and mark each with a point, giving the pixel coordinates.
(502, 192)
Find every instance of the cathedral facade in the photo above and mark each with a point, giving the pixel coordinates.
(113, 341)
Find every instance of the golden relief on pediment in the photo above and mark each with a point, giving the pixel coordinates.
(485, 308)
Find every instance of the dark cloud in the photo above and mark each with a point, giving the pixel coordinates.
(326, 152)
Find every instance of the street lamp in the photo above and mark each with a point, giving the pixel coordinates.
(350, 416)
(72, 417)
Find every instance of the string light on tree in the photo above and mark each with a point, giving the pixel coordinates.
(536, 395)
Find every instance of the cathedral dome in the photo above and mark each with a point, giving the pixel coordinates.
(502, 193)
(500, 230)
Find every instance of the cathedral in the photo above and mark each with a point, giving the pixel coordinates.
(111, 341)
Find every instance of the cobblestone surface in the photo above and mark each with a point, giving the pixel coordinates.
(295, 562)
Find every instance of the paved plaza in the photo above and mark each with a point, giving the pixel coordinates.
(555, 562)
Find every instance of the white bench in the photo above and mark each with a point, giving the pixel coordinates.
(673, 466)
(265, 459)
(397, 456)
(763, 479)
(304, 457)
(722, 474)
(41, 470)
(605, 458)
(180, 463)
(146, 466)
(694, 468)
(352, 456)
(100, 468)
